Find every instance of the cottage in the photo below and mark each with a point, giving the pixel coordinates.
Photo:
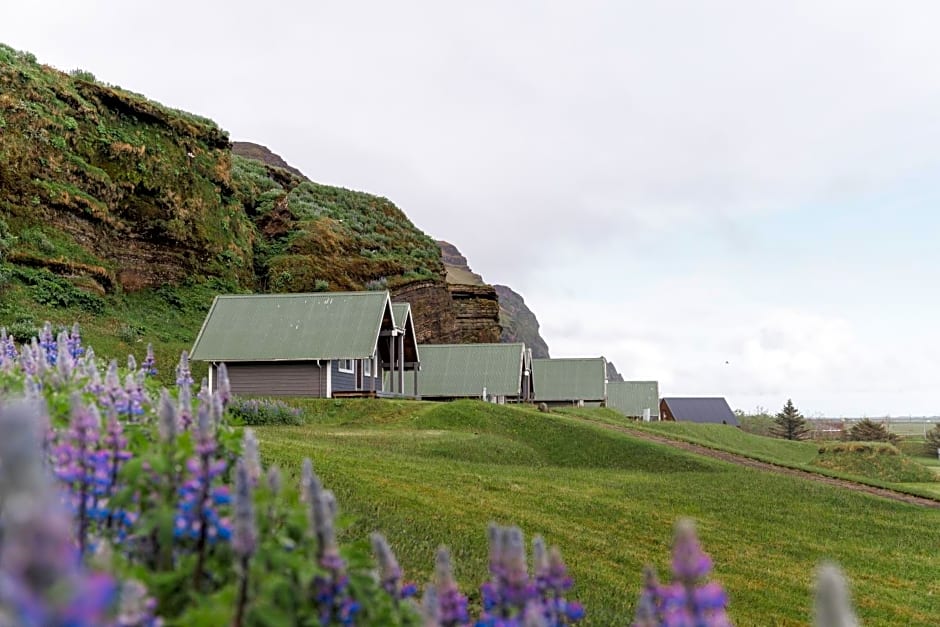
(713, 410)
(501, 373)
(321, 344)
(570, 381)
(634, 399)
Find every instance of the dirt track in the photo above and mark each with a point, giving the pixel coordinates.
(741, 460)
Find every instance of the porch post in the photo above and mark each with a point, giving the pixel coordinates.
(401, 363)
(391, 355)
(372, 371)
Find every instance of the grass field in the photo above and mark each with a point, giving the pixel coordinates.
(801, 455)
(428, 474)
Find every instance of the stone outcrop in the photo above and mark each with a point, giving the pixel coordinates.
(518, 322)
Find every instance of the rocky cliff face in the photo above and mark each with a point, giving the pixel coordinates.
(612, 374)
(106, 190)
(516, 322)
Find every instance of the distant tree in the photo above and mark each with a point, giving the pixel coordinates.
(933, 440)
(790, 424)
(868, 430)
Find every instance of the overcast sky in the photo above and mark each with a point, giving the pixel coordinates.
(735, 198)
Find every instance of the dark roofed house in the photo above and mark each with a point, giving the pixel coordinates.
(714, 410)
(321, 344)
(570, 381)
(496, 372)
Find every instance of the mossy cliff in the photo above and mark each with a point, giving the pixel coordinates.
(106, 195)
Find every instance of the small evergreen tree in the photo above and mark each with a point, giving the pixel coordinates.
(790, 424)
(868, 430)
(933, 440)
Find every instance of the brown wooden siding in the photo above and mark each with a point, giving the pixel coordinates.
(277, 379)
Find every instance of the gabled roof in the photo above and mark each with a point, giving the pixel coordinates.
(282, 327)
(401, 312)
(570, 379)
(463, 370)
(630, 398)
(708, 410)
(404, 321)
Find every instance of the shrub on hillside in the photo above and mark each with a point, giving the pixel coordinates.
(256, 412)
(875, 460)
(868, 430)
(932, 444)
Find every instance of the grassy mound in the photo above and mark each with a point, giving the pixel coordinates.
(874, 460)
(427, 474)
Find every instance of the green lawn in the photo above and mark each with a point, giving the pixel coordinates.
(428, 474)
(800, 455)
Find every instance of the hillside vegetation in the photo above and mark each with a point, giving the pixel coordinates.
(431, 473)
(129, 216)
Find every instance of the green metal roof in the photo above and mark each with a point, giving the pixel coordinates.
(463, 370)
(275, 327)
(400, 312)
(569, 379)
(630, 398)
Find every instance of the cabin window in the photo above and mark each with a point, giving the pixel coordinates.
(346, 365)
(367, 367)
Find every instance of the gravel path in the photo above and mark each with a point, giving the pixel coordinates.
(741, 460)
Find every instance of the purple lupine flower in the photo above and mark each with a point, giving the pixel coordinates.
(135, 394)
(47, 342)
(8, 352)
(82, 467)
(74, 343)
(41, 580)
(183, 374)
(274, 480)
(331, 588)
(390, 575)
(224, 387)
(244, 536)
(184, 410)
(114, 444)
(689, 600)
(29, 359)
(252, 456)
(431, 607)
(169, 426)
(149, 366)
(114, 395)
(552, 582)
(452, 605)
(244, 533)
(198, 516)
(509, 589)
(65, 362)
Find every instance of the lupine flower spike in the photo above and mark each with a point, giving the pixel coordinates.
(390, 575)
(331, 587)
(452, 605)
(150, 363)
(244, 535)
(690, 599)
(833, 607)
(41, 581)
(252, 456)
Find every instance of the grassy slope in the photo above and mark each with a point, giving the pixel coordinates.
(430, 474)
(801, 455)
